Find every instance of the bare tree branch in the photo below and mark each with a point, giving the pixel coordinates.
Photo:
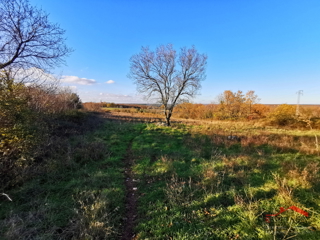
(28, 39)
(168, 77)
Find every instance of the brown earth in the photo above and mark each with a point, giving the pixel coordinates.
(131, 197)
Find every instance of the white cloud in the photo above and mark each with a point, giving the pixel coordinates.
(33, 76)
(73, 87)
(95, 96)
(78, 80)
(110, 82)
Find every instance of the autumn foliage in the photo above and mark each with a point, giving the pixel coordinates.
(231, 106)
(237, 106)
(283, 114)
(93, 106)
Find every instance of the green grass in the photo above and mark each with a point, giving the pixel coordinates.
(79, 194)
(192, 184)
(192, 188)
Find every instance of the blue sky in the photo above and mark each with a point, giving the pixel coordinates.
(269, 46)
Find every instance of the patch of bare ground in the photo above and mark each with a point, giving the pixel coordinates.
(138, 117)
(131, 197)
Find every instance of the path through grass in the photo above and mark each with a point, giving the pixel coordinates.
(78, 193)
(192, 183)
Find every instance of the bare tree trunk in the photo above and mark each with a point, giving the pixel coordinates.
(168, 114)
(168, 121)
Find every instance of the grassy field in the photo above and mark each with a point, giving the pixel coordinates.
(190, 182)
(196, 184)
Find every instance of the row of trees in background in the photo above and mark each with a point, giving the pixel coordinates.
(230, 106)
(241, 110)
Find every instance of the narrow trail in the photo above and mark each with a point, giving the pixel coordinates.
(131, 197)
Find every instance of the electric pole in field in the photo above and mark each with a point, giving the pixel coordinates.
(300, 92)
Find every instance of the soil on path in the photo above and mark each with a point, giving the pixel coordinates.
(131, 197)
(137, 117)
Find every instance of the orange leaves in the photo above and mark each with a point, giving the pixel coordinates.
(195, 111)
(260, 109)
(236, 105)
(231, 106)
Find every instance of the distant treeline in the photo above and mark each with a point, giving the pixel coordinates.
(97, 106)
(232, 106)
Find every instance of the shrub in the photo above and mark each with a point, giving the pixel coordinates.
(92, 106)
(27, 116)
(283, 115)
(260, 109)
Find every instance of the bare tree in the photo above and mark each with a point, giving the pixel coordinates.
(28, 39)
(168, 77)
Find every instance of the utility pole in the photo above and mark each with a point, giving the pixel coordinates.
(300, 92)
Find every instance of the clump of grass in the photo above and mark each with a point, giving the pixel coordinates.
(179, 191)
(86, 152)
(285, 191)
(93, 218)
(249, 214)
(210, 176)
(299, 176)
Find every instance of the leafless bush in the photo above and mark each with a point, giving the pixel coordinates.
(302, 176)
(92, 106)
(209, 176)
